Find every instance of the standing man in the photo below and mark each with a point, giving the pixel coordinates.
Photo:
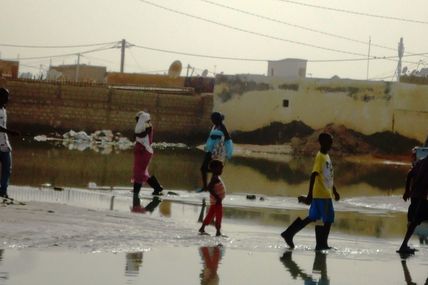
(5, 147)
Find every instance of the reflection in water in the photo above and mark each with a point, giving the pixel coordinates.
(3, 275)
(134, 260)
(407, 275)
(319, 267)
(211, 258)
(150, 207)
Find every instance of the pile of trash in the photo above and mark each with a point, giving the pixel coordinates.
(102, 141)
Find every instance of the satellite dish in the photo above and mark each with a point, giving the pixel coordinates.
(205, 73)
(175, 69)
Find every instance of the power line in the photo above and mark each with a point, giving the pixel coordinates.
(64, 55)
(251, 32)
(52, 46)
(264, 60)
(200, 55)
(295, 25)
(356, 13)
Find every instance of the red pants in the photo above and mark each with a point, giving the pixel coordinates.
(214, 211)
(141, 164)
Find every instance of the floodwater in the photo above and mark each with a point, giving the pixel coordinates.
(203, 265)
(368, 191)
(370, 222)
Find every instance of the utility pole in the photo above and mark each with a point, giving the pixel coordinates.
(122, 55)
(368, 57)
(77, 67)
(400, 55)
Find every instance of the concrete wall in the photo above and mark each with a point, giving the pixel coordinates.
(250, 103)
(94, 107)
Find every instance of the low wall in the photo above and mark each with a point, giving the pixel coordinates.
(253, 102)
(57, 106)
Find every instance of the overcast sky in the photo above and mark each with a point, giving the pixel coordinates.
(246, 29)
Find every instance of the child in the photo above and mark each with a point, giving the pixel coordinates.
(5, 147)
(321, 189)
(143, 153)
(217, 193)
(417, 191)
(219, 145)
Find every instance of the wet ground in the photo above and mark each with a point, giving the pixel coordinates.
(78, 235)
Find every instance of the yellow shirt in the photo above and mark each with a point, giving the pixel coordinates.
(323, 186)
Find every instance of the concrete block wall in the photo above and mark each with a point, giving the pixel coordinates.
(61, 107)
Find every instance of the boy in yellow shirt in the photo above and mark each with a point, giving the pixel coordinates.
(321, 191)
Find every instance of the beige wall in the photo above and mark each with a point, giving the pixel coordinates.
(366, 107)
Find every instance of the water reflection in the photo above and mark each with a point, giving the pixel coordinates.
(134, 261)
(319, 268)
(407, 275)
(211, 257)
(38, 163)
(3, 275)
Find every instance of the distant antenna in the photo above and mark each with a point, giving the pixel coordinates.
(175, 69)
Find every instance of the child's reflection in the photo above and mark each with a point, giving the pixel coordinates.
(211, 257)
(319, 266)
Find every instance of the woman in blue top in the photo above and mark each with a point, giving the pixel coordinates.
(219, 146)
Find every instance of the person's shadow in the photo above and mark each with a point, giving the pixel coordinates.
(211, 256)
(319, 267)
(407, 276)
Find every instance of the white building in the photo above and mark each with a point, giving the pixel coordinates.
(292, 68)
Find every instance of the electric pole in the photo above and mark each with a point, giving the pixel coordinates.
(122, 55)
(368, 58)
(77, 67)
(400, 55)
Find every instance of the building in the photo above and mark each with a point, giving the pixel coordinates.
(9, 69)
(292, 68)
(78, 72)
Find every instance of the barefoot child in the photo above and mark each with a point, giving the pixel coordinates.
(321, 190)
(217, 193)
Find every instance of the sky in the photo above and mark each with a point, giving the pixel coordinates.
(239, 36)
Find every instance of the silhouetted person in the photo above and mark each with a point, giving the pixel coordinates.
(219, 145)
(143, 153)
(5, 147)
(211, 257)
(417, 190)
(321, 191)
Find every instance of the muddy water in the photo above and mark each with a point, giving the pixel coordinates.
(371, 184)
(203, 265)
(38, 163)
